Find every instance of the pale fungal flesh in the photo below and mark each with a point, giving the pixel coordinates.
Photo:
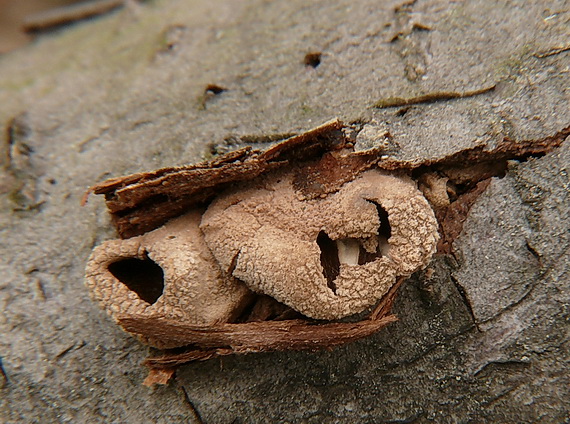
(379, 227)
(194, 289)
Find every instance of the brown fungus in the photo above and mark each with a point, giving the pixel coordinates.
(328, 257)
(166, 273)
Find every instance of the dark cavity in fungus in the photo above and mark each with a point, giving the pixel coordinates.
(143, 276)
(329, 259)
(384, 233)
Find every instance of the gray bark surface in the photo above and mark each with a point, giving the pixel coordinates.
(484, 338)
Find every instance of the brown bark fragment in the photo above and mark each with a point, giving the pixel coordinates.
(451, 218)
(330, 172)
(259, 336)
(507, 150)
(144, 201)
(159, 376)
(228, 339)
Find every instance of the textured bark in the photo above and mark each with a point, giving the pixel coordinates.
(144, 201)
(482, 335)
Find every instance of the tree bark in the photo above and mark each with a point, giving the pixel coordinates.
(482, 335)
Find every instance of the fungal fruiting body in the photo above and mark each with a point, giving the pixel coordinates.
(328, 257)
(168, 273)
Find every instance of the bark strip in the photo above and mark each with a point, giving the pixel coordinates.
(264, 336)
(429, 98)
(256, 336)
(142, 202)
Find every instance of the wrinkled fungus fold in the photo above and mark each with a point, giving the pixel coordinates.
(327, 257)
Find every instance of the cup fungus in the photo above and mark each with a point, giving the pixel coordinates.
(328, 257)
(167, 273)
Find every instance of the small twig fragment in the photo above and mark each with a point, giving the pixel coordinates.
(429, 98)
(65, 351)
(552, 52)
(419, 26)
(51, 18)
(70, 348)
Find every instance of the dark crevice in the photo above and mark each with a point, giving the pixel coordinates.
(143, 276)
(148, 202)
(261, 307)
(186, 399)
(233, 263)
(384, 233)
(533, 251)
(385, 229)
(508, 366)
(4, 376)
(247, 310)
(513, 305)
(329, 259)
(214, 89)
(211, 91)
(466, 301)
(312, 59)
(409, 420)
(365, 256)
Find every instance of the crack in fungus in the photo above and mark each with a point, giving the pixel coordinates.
(329, 259)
